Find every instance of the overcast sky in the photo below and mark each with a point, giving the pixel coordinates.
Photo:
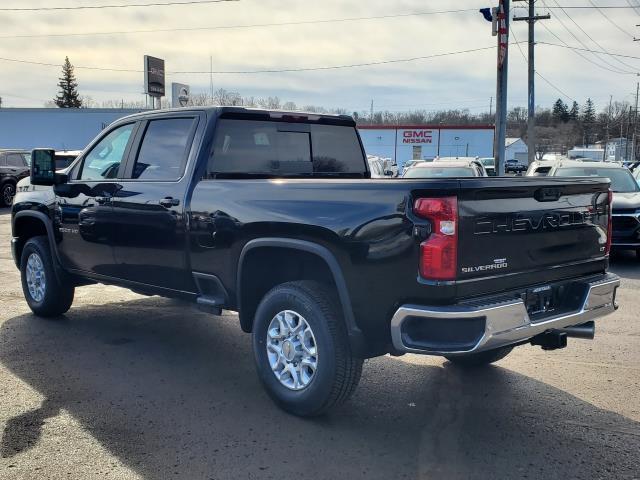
(455, 81)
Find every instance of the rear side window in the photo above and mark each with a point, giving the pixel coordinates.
(15, 160)
(336, 149)
(280, 148)
(164, 149)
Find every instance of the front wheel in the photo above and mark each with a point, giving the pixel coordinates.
(301, 349)
(46, 295)
(7, 192)
(480, 359)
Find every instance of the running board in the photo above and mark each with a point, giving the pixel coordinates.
(213, 296)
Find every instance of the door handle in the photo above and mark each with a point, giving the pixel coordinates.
(169, 202)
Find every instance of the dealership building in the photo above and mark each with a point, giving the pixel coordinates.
(425, 142)
(57, 128)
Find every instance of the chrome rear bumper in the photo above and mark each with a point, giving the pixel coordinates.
(502, 323)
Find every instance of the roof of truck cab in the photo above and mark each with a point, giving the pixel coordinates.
(250, 113)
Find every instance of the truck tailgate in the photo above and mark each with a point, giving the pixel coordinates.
(516, 226)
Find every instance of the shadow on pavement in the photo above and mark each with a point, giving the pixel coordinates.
(173, 393)
(626, 264)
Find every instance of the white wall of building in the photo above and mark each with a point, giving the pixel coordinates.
(426, 142)
(57, 128)
(516, 149)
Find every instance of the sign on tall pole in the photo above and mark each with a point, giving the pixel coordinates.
(502, 18)
(153, 77)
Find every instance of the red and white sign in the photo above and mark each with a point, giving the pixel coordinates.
(417, 136)
(503, 35)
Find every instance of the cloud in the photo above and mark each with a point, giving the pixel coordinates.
(466, 80)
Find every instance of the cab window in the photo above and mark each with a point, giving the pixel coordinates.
(164, 149)
(104, 159)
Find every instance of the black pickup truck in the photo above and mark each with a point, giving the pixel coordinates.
(274, 215)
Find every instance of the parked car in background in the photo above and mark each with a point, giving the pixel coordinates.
(378, 168)
(410, 163)
(64, 158)
(446, 169)
(541, 168)
(489, 164)
(513, 166)
(626, 198)
(14, 166)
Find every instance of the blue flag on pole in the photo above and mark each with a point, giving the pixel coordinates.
(486, 13)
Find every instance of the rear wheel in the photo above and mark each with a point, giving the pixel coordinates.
(7, 192)
(481, 358)
(45, 294)
(301, 349)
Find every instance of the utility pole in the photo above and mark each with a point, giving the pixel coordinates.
(371, 117)
(606, 142)
(211, 77)
(490, 106)
(531, 19)
(635, 124)
(501, 30)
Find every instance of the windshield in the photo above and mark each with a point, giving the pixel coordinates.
(621, 178)
(488, 162)
(435, 172)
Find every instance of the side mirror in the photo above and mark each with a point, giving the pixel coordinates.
(388, 173)
(43, 168)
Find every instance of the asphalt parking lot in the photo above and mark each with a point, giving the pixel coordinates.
(132, 387)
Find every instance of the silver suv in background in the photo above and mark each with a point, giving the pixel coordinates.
(446, 168)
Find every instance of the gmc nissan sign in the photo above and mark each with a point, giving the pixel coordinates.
(153, 76)
(417, 136)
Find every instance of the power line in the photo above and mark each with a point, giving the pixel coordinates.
(614, 69)
(337, 67)
(593, 51)
(120, 5)
(610, 20)
(279, 70)
(548, 82)
(537, 72)
(241, 26)
(590, 37)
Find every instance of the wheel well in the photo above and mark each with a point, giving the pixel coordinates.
(25, 228)
(265, 267)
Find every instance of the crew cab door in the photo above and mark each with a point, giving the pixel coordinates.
(83, 205)
(149, 211)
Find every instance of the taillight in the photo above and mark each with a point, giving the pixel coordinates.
(439, 253)
(610, 223)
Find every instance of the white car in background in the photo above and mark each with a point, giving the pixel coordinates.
(380, 167)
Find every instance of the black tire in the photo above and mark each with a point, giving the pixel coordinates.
(57, 297)
(480, 359)
(338, 371)
(7, 192)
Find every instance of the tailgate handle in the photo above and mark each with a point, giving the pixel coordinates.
(547, 194)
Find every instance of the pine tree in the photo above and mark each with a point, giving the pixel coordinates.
(560, 111)
(588, 120)
(68, 97)
(574, 113)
